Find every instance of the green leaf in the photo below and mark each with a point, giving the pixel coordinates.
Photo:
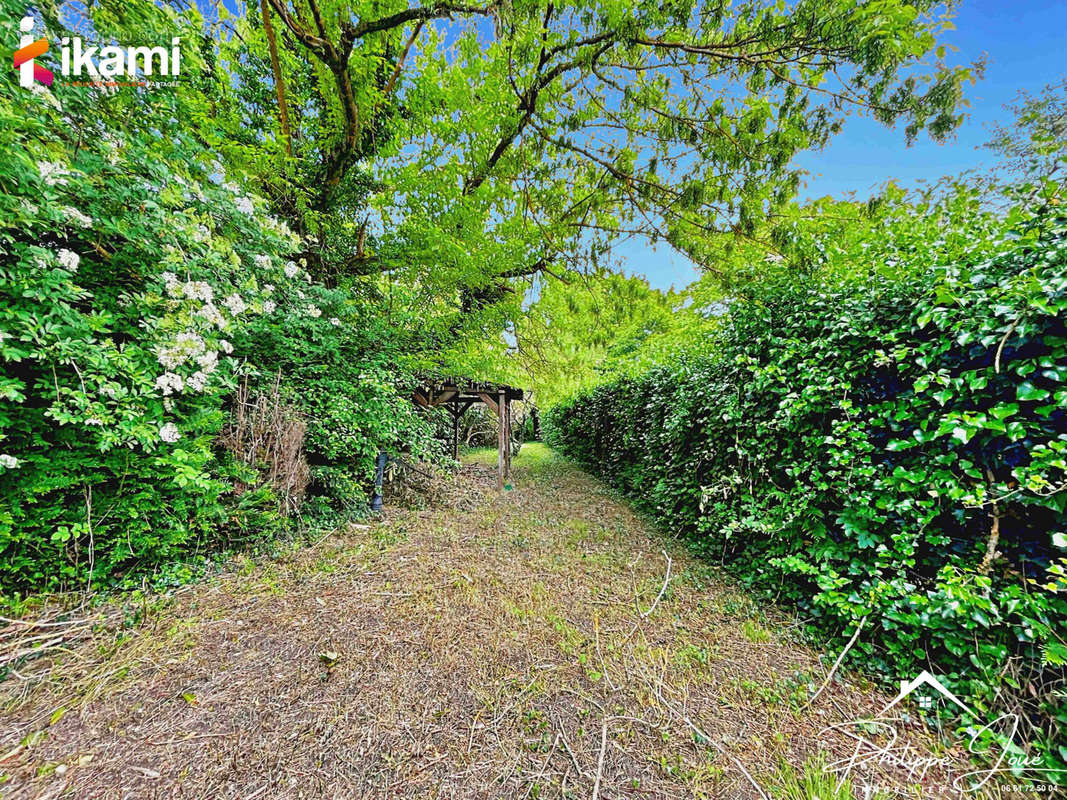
(1004, 410)
(1027, 391)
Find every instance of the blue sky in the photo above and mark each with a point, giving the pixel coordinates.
(1026, 45)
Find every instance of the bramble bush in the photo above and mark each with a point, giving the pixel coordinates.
(887, 442)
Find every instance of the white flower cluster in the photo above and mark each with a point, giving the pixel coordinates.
(207, 361)
(194, 290)
(69, 259)
(77, 217)
(214, 317)
(186, 345)
(314, 311)
(197, 381)
(171, 284)
(262, 262)
(52, 172)
(291, 269)
(169, 433)
(198, 290)
(8, 462)
(169, 383)
(280, 226)
(244, 205)
(235, 303)
(269, 306)
(202, 291)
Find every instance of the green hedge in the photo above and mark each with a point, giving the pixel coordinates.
(850, 444)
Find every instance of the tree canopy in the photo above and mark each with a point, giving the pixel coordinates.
(498, 141)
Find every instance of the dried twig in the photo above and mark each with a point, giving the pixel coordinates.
(751, 780)
(266, 434)
(663, 589)
(994, 532)
(643, 615)
(1000, 347)
(600, 760)
(544, 766)
(567, 747)
(837, 663)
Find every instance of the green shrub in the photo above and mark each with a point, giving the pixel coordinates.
(340, 365)
(137, 284)
(852, 444)
(127, 264)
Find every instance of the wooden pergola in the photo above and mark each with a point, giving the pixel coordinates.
(456, 395)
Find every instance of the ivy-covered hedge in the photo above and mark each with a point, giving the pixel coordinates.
(882, 447)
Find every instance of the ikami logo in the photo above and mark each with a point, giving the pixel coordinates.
(29, 70)
(95, 65)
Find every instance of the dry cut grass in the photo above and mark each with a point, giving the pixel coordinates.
(543, 643)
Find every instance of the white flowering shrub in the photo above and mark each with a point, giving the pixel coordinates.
(137, 283)
(128, 265)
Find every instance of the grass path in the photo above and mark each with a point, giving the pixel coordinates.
(519, 646)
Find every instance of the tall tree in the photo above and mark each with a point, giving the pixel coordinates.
(591, 328)
(503, 139)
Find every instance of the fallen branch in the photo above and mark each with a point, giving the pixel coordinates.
(837, 663)
(704, 737)
(663, 589)
(751, 780)
(600, 760)
(567, 747)
(643, 615)
(994, 532)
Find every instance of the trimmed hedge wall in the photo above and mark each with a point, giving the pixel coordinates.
(852, 445)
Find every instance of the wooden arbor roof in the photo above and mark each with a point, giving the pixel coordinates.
(456, 395)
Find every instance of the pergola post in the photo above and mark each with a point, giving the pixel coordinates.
(455, 433)
(457, 395)
(507, 438)
(502, 443)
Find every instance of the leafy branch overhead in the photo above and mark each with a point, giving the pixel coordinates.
(497, 140)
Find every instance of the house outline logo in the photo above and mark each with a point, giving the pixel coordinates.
(25, 56)
(924, 678)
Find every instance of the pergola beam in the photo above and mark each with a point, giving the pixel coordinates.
(458, 395)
